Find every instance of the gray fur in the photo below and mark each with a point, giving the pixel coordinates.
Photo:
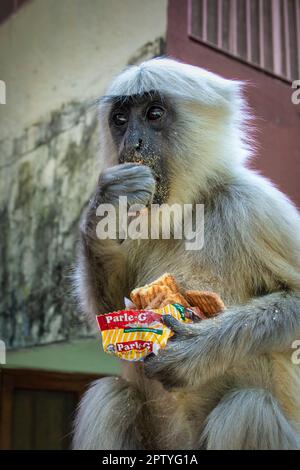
(228, 382)
(249, 420)
(101, 271)
(110, 426)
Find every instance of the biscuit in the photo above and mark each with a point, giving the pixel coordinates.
(175, 299)
(166, 280)
(150, 295)
(208, 302)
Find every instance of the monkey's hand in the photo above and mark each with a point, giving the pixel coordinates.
(190, 358)
(101, 260)
(136, 182)
(205, 350)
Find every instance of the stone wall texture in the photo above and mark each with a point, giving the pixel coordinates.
(47, 176)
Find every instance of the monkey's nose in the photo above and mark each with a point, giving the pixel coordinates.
(138, 145)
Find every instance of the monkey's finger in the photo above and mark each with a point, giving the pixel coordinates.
(177, 327)
(124, 172)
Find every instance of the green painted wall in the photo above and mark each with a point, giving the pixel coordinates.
(84, 356)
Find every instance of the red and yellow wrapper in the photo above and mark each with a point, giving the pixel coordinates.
(134, 334)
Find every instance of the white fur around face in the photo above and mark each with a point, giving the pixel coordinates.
(211, 114)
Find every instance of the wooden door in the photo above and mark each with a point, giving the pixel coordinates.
(37, 408)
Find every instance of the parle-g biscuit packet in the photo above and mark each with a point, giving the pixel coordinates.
(134, 334)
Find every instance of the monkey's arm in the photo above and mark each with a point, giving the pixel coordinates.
(102, 274)
(203, 351)
(266, 324)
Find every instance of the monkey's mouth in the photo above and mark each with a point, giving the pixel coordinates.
(153, 161)
(161, 184)
(161, 194)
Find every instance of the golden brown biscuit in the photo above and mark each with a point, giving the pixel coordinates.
(175, 299)
(150, 295)
(166, 280)
(165, 290)
(209, 302)
(156, 302)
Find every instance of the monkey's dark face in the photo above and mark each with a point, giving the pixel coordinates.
(141, 126)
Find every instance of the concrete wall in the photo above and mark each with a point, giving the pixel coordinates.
(58, 51)
(56, 57)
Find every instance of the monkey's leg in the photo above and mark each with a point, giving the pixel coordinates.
(249, 419)
(107, 416)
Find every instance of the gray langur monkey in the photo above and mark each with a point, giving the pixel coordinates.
(225, 384)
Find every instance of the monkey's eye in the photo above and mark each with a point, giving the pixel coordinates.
(154, 113)
(119, 119)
